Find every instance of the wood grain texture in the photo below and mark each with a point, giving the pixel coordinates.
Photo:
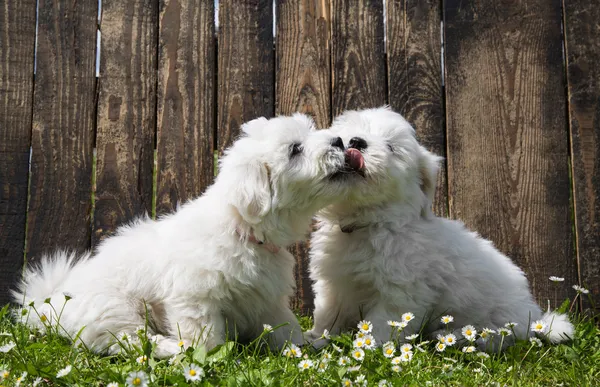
(17, 45)
(303, 84)
(126, 113)
(358, 61)
(186, 101)
(415, 77)
(582, 36)
(245, 61)
(508, 173)
(63, 124)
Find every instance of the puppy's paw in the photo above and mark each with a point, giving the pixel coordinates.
(315, 339)
(167, 347)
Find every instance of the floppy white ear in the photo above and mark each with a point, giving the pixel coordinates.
(428, 170)
(253, 196)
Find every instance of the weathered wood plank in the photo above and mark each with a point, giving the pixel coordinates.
(508, 173)
(582, 36)
(358, 62)
(303, 84)
(186, 101)
(245, 62)
(126, 113)
(415, 77)
(17, 45)
(63, 124)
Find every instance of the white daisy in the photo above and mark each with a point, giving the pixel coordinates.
(358, 354)
(477, 370)
(440, 347)
(469, 349)
(360, 335)
(486, 333)
(358, 343)
(7, 347)
(556, 279)
(447, 319)
(4, 374)
(326, 356)
(406, 356)
(393, 324)
(325, 334)
(447, 368)
(403, 325)
(267, 328)
(536, 341)
(384, 383)
(365, 326)
(112, 384)
(511, 324)
(38, 380)
(408, 317)
(412, 337)
(396, 368)
(322, 366)
(193, 372)
(469, 332)
(406, 348)
(419, 348)
(344, 361)
(64, 372)
(292, 350)
(397, 360)
(483, 354)
(173, 360)
(305, 365)
(369, 342)
(580, 289)
(338, 349)
(124, 336)
(450, 339)
(441, 338)
(20, 379)
(538, 326)
(504, 332)
(355, 368)
(137, 379)
(142, 359)
(346, 382)
(360, 379)
(388, 349)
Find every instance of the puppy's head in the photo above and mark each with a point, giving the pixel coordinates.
(281, 166)
(386, 162)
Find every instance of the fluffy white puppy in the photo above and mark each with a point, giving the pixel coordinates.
(381, 252)
(216, 266)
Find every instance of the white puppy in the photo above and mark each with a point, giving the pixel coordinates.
(381, 252)
(216, 266)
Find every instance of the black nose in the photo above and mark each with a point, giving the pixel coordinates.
(357, 143)
(337, 143)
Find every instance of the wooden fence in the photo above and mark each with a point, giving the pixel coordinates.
(507, 91)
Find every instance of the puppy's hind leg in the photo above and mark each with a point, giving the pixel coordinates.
(289, 331)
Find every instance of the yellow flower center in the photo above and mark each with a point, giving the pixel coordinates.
(347, 383)
(441, 345)
(539, 326)
(469, 332)
(192, 372)
(359, 343)
(180, 343)
(305, 365)
(5, 374)
(484, 334)
(406, 349)
(136, 381)
(356, 354)
(449, 339)
(389, 351)
(43, 318)
(368, 342)
(407, 318)
(365, 327)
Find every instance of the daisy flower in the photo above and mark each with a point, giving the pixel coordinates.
(504, 332)
(384, 383)
(358, 354)
(396, 368)
(137, 379)
(38, 380)
(7, 347)
(580, 289)
(4, 374)
(358, 343)
(322, 366)
(267, 328)
(450, 339)
(440, 347)
(181, 343)
(344, 361)
(173, 360)
(441, 338)
(408, 317)
(486, 333)
(338, 349)
(20, 379)
(469, 332)
(397, 360)
(419, 348)
(538, 326)
(406, 348)
(193, 372)
(469, 349)
(325, 334)
(403, 325)
(477, 370)
(483, 354)
(326, 356)
(365, 326)
(346, 382)
(305, 365)
(354, 368)
(556, 279)
(292, 351)
(64, 372)
(412, 337)
(369, 342)
(360, 379)
(536, 341)
(394, 324)
(447, 319)
(447, 368)
(360, 335)
(406, 356)
(142, 359)
(511, 324)
(112, 384)
(389, 349)
(124, 336)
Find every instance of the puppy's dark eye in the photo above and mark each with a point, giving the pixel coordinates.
(295, 149)
(391, 148)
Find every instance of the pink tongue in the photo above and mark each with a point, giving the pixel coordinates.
(354, 159)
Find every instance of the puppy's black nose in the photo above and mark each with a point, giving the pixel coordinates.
(357, 143)
(337, 143)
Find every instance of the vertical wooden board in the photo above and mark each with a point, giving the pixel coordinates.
(186, 101)
(17, 45)
(415, 77)
(126, 113)
(303, 84)
(508, 175)
(245, 66)
(582, 36)
(358, 62)
(63, 124)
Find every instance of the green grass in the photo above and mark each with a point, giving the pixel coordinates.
(43, 354)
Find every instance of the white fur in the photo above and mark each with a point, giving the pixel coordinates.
(400, 257)
(197, 274)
